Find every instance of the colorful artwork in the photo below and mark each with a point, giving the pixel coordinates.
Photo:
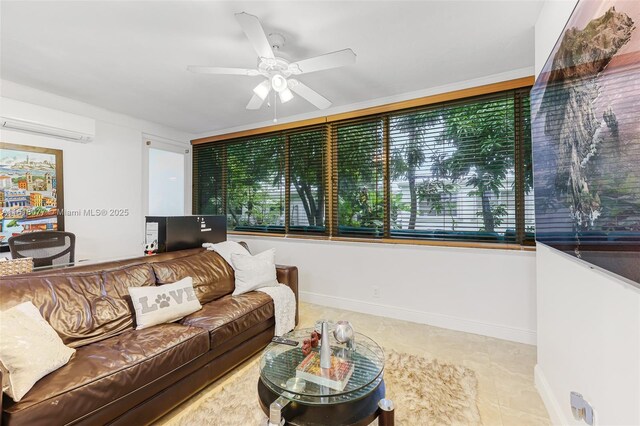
(30, 190)
(585, 110)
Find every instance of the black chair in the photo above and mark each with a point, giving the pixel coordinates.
(47, 248)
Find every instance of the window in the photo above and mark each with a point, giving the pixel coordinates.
(307, 180)
(453, 169)
(360, 178)
(456, 171)
(209, 171)
(274, 183)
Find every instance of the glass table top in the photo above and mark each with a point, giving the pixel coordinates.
(279, 362)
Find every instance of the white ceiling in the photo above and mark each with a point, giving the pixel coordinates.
(130, 57)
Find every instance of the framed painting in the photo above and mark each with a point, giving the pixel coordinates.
(31, 191)
(585, 110)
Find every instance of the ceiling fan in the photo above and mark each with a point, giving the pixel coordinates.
(278, 72)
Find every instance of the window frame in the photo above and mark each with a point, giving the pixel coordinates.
(331, 122)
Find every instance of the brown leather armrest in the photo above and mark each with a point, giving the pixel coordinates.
(289, 275)
(245, 245)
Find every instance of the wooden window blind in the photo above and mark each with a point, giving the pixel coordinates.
(458, 170)
(453, 170)
(359, 194)
(243, 179)
(271, 183)
(307, 159)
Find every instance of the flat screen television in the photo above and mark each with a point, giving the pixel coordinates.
(585, 121)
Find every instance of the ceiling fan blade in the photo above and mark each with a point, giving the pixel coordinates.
(309, 94)
(253, 30)
(222, 70)
(337, 59)
(255, 102)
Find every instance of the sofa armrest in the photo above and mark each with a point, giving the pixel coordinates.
(289, 275)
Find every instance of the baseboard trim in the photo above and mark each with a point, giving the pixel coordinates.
(550, 402)
(439, 320)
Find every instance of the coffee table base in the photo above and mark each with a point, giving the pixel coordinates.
(360, 412)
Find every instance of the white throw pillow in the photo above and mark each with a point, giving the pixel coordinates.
(226, 249)
(253, 272)
(29, 348)
(164, 303)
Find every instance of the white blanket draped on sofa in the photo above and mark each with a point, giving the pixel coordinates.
(284, 306)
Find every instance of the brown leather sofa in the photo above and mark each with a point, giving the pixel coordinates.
(120, 375)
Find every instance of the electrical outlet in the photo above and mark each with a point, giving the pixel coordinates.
(581, 409)
(376, 292)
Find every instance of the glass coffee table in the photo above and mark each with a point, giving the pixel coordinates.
(287, 398)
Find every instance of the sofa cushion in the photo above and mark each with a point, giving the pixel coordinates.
(164, 303)
(107, 370)
(212, 276)
(82, 307)
(29, 348)
(231, 315)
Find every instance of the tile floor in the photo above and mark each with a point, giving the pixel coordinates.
(506, 392)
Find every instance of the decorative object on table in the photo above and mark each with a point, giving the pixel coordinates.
(318, 325)
(31, 190)
(335, 376)
(296, 384)
(325, 347)
(437, 393)
(15, 266)
(312, 342)
(586, 139)
(344, 333)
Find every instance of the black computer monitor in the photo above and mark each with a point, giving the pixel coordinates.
(183, 232)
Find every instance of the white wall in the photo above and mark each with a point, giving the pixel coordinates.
(588, 321)
(552, 19)
(104, 174)
(489, 292)
(588, 340)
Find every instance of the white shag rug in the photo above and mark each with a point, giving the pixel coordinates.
(425, 392)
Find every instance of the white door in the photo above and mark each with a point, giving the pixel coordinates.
(166, 179)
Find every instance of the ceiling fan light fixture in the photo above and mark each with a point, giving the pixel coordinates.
(277, 70)
(262, 90)
(285, 96)
(279, 83)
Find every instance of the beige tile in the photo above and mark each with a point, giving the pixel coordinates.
(489, 414)
(486, 387)
(517, 391)
(515, 357)
(511, 417)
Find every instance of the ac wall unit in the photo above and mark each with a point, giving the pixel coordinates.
(43, 129)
